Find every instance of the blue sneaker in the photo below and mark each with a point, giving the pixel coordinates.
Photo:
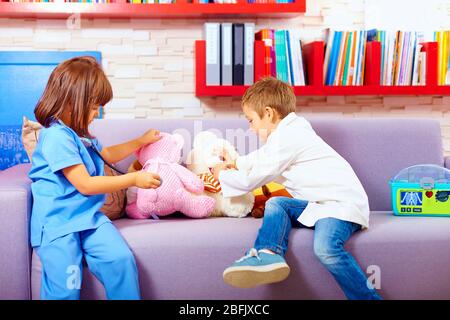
(256, 268)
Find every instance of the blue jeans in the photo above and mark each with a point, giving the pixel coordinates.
(330, 235)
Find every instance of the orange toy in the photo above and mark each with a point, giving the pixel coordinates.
(263, 194)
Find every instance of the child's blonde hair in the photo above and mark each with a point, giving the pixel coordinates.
(270, 92)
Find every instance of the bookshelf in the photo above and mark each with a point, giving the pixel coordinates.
(314, 58)
(180, 9)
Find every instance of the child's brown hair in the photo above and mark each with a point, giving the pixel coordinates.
(77, 84)
(270, 92)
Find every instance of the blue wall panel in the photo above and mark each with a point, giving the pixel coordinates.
(23, 76)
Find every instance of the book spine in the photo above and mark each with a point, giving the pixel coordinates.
(357, 58)
(347, 58)
(227, 54)
(328, 49)
(290, 68)
(212, 36)
(273, 64)
(334, 58)
(340, 58)
(249, 45)
(238, 54)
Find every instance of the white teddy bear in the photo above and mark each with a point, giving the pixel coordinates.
(204, 156)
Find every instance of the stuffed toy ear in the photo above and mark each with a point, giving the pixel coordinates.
(204, 139)
(230, 149)
(138, 152)
(179, 140)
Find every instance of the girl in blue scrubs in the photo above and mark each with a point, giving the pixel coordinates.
(68, 187)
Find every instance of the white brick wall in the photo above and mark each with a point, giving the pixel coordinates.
(150, 63)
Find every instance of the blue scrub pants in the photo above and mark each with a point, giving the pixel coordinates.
(108, 258)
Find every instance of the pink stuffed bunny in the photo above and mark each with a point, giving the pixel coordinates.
(178, 184)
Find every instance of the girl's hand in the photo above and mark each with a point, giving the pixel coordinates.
(150, 136)
(147, 180)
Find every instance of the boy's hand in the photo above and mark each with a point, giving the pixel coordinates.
(224, 155)
(219, 167)
(147, 180)
(150, 136)
(226, 158)
(231, 164)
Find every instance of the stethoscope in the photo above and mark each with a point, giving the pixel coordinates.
(89, 144)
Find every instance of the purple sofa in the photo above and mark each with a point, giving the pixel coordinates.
(181, 258)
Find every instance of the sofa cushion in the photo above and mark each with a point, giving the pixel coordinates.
(15, 207)
(180, 258)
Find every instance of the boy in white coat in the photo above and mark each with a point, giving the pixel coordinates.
(327, 194)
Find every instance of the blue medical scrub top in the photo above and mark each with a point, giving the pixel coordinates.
(58, 207)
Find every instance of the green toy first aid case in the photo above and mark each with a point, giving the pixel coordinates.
(421, 190)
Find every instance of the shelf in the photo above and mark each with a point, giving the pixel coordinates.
(314, 57)
(201, 89)
(181, 9)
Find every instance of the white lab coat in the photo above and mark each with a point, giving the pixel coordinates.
(296, 157)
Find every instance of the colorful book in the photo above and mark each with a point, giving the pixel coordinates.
(358, 52)
(340, 66)
(280, 51)
(447, 78)
(347, 58)
(334, 56)
(329, 38)
(267, 35)
(290, 68)
(351, 71)
(295, 58)
(363, 59)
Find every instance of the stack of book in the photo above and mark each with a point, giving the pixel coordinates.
(248, 1)
(345, 57)
(270, 1)
(151, 1)
(443, 40)
(403, 60)
(64, 1)
(229, 53)
(283, 55)
(403, 63)
(213, 1)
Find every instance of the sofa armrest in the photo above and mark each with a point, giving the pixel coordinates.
(15, 251)
(447, 162)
